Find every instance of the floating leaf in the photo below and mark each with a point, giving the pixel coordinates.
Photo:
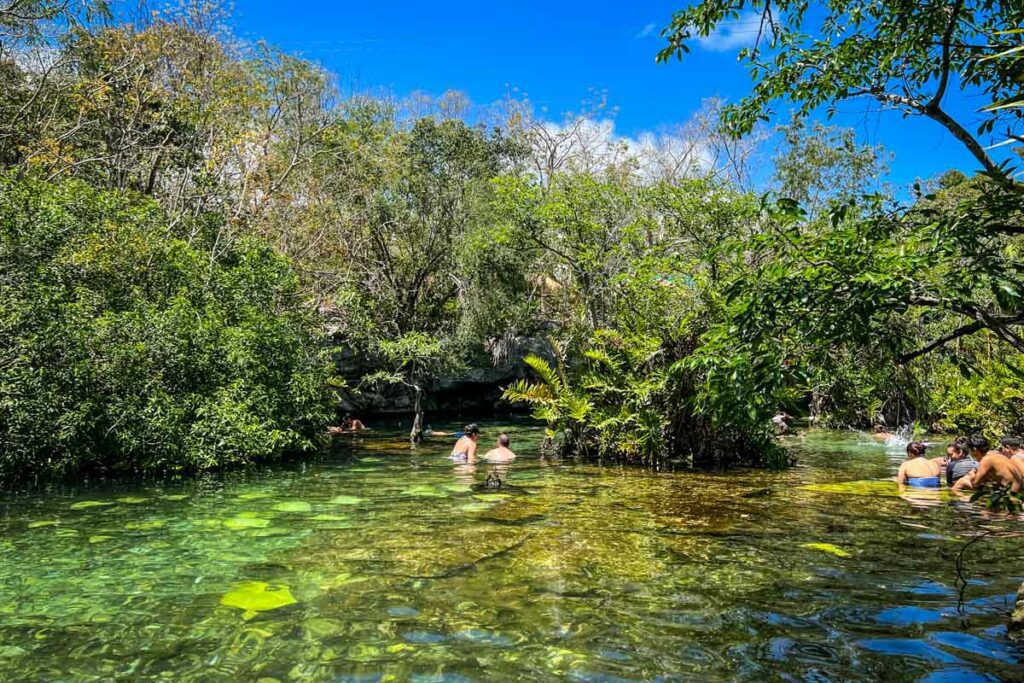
(86, 504)
(42, 523)
(346, 500)
(826, 548)
(293, 506)
(257, 596)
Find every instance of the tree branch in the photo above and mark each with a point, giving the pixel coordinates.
(942, 341)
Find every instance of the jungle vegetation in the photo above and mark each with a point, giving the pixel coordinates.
(191, 226)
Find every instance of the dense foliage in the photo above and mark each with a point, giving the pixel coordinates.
(182, 209)
(125, 347)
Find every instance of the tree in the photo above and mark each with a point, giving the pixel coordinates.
(873, 263)
(123, 347)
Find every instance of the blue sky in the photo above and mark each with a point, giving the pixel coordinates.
(558, 53)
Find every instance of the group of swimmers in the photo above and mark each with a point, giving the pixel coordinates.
(969, 464)
(349, 425)
(465, 447)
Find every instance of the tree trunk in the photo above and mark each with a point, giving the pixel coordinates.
(416, 435)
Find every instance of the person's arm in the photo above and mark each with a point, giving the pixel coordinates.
(901, 476)
(965, 483)
(471, 451)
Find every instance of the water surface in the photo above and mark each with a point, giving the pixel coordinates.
(377, 563)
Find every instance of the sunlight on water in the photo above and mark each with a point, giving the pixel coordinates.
(377, 563)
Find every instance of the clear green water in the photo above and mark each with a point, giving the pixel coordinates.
(396, 569)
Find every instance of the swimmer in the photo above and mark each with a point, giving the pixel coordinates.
(502, 452)
(430, 432)
(465, 447)
(879, 433)
(958, 462)
(918, 470)
(1013, 448)
(781, 421)
(993, 466)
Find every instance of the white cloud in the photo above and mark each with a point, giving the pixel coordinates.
(734, 34)
(647, 31)
(592, 145)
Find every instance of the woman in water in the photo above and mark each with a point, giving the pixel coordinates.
(918, 470)
(465, 447)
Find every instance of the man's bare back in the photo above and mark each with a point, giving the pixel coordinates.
(502, 452)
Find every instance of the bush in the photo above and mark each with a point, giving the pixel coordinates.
(126, 347)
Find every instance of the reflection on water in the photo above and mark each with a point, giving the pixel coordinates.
(379, 563)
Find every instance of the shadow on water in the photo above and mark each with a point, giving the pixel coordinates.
(379, 562)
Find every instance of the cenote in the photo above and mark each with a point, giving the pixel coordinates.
(377, 563)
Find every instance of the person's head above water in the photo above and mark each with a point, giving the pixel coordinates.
(1010, 444)
(916, 449)
(472, 431)
(879, 428)
(978, 444)
(503, 440)
(958, 449)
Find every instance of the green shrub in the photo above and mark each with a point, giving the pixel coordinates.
(127, 347)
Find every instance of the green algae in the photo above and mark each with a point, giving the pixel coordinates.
(346, 500)
(87, 504)
(856, 488)
(826, 548)
(42, 523)
(246, 523)
(424, 491)
(132, 500)
(174, 497)
(293, 506)
(148, 525)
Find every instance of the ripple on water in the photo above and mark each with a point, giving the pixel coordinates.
(906, 647)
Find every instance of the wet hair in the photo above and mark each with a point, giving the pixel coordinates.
(879, 428)
(977, 442)
(503, 440)
(471, 429)
(960, 446)
(916, 449)
(1012, 442)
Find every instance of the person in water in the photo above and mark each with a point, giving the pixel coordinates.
(433, 432)
(880, 434)
(781, 421)
(465, 447)
(993, 467)
(1013, 448)
(959, 462)
(917, 470)
(502, 452)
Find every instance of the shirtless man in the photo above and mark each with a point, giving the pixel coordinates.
(1013, 448)
(880, 434)
(501, 453)
(993, 466)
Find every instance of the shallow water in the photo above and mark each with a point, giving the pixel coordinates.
(374, 563)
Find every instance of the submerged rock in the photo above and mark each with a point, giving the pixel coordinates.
(1016, 626)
